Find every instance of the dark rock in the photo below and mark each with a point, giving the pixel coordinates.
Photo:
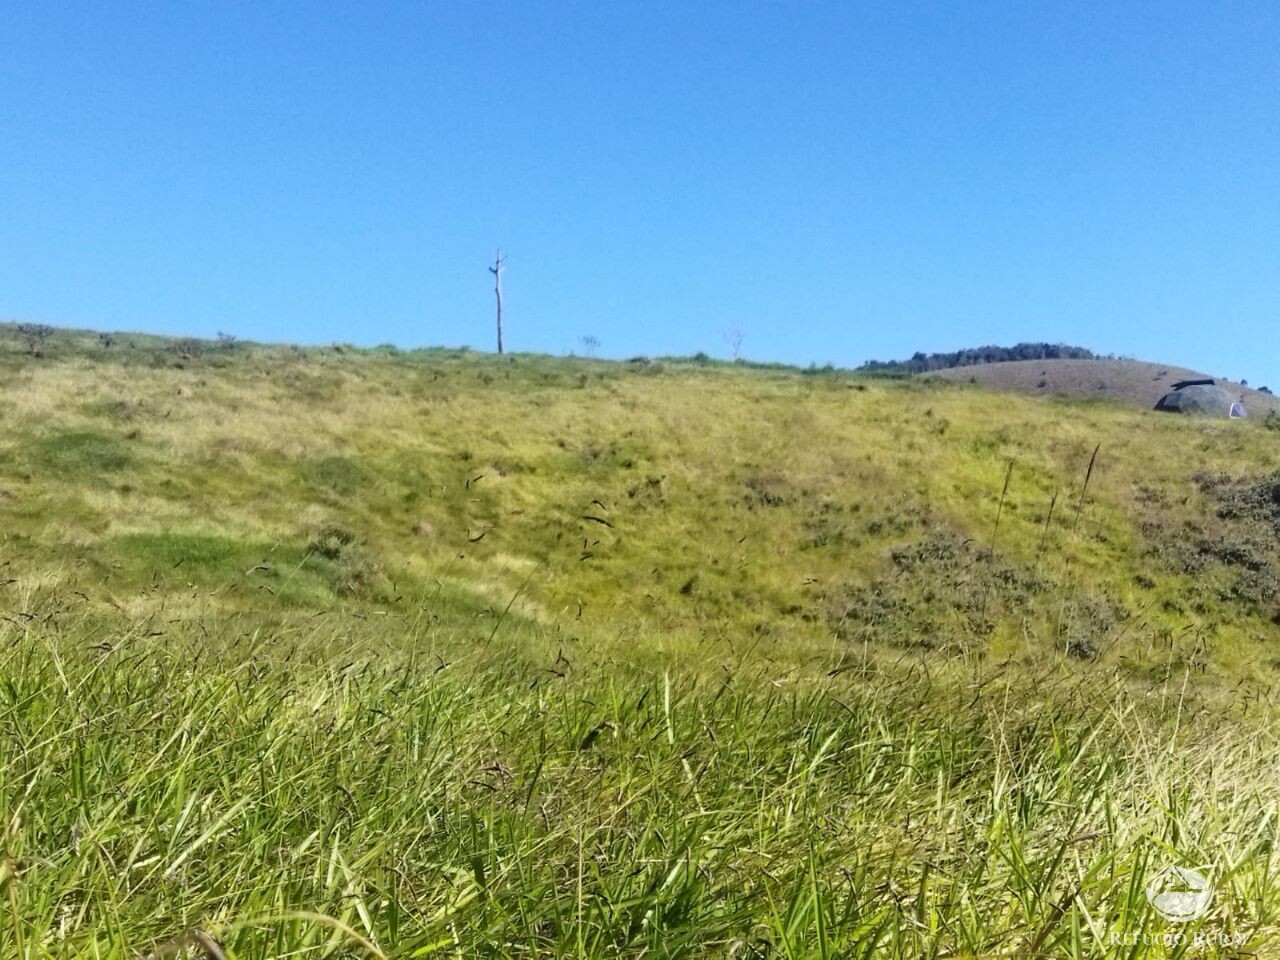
(1198, 398)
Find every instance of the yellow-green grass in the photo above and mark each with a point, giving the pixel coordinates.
(343, 787)
(434, 653)
(727, 501)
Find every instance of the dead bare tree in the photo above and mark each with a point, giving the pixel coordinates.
(734, 336)
(496, 270)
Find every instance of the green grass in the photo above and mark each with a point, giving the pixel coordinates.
(81, 453)
(216, 556)
(395, 653)
(303, 791)
(339, 475)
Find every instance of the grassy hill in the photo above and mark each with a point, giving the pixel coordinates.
(437, 653)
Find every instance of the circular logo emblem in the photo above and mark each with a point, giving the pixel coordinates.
(1180, 894)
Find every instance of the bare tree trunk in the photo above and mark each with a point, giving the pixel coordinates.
(496, 270)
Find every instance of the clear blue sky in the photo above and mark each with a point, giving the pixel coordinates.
(844, 180)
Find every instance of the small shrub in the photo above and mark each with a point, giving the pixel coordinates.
(187, 348)
(341, 475)
(331, 541)
(359, 577)
(1082, 647)
(35, 334)
(335, 554)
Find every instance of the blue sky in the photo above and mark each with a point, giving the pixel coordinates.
(841, 180)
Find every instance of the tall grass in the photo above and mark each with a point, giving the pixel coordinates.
(292, 796)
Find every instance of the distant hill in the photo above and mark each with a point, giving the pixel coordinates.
(974, 356)
(1058, 369)
(1128, 381)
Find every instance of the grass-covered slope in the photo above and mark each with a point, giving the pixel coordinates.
(666, 502)
(433, 653)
